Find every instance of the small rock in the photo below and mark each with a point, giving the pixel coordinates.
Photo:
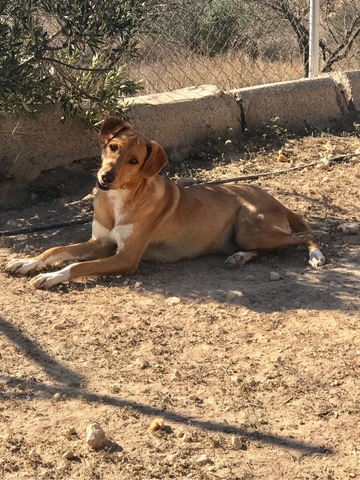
(142, 363)
(170, 459)
(69, 454)
(57, 397)
(186, 437)
(95, 436)
(203, 460)
(274, 276)
(237, 442)
(325, 164)
(282, 158)
(235, 379)
(176, 375)
(138, 285)
(11, 223)
(272, 375)
(349, 228)
(157, 424)
(70, 432)
(173, 301)
(249, 278)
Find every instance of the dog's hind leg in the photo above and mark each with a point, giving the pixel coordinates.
(271, 232)
(299, 226)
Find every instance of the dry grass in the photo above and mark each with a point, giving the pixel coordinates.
(166, 70)
(228, 71)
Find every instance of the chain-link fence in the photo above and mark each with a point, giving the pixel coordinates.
(240, 43)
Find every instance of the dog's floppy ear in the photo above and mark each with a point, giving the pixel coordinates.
(155, 161)
(110, 128)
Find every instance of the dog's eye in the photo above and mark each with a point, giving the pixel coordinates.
(133, 161)
(113, 147)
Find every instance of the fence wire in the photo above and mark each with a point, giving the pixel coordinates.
(240, 43)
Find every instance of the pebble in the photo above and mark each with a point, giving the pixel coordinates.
(11, 223)
(349, 228)
(282, 158)
(69, 454)
(203, 460)
(325, 164)
(237, 442)
(249, 278)
(57, 397)
(157, 424)
(173, 301)
(70, 432)
(95, 436)
(170, 459)
(176, 374)
(272, 375)
(142, 363)
(138, 285)
(274, 276)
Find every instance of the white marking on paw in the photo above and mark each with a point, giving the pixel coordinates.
(316, 258)
(239, 259)
(24, 265)
(47, 280)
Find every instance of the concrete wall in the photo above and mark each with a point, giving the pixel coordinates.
(180, 119)
(29, 145)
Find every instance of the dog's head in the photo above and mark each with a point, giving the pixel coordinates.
(127, 156)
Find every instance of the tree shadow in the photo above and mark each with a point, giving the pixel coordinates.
(58, 371)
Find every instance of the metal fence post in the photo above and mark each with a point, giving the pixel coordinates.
(314, 38)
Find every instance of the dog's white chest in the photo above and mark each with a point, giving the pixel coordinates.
(121, 231)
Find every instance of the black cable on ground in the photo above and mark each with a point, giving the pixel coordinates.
(81, 221)
(41, 228)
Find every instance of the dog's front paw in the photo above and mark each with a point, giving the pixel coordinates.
(316, 259)
(48, 280)
(24, 265)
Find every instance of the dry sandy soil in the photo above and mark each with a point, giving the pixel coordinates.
(216, 354)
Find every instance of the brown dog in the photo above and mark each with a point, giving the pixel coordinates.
(141, 215)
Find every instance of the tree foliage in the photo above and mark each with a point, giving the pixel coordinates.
(341, 27)
(68, 51)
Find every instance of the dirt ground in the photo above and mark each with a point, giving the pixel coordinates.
(253, 378)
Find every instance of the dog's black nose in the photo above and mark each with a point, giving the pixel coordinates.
(107, 177)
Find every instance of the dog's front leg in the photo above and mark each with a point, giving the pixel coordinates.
(117, 264)
(79, 251)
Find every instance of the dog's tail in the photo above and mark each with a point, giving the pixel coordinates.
(297, 224)
(302, 231)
